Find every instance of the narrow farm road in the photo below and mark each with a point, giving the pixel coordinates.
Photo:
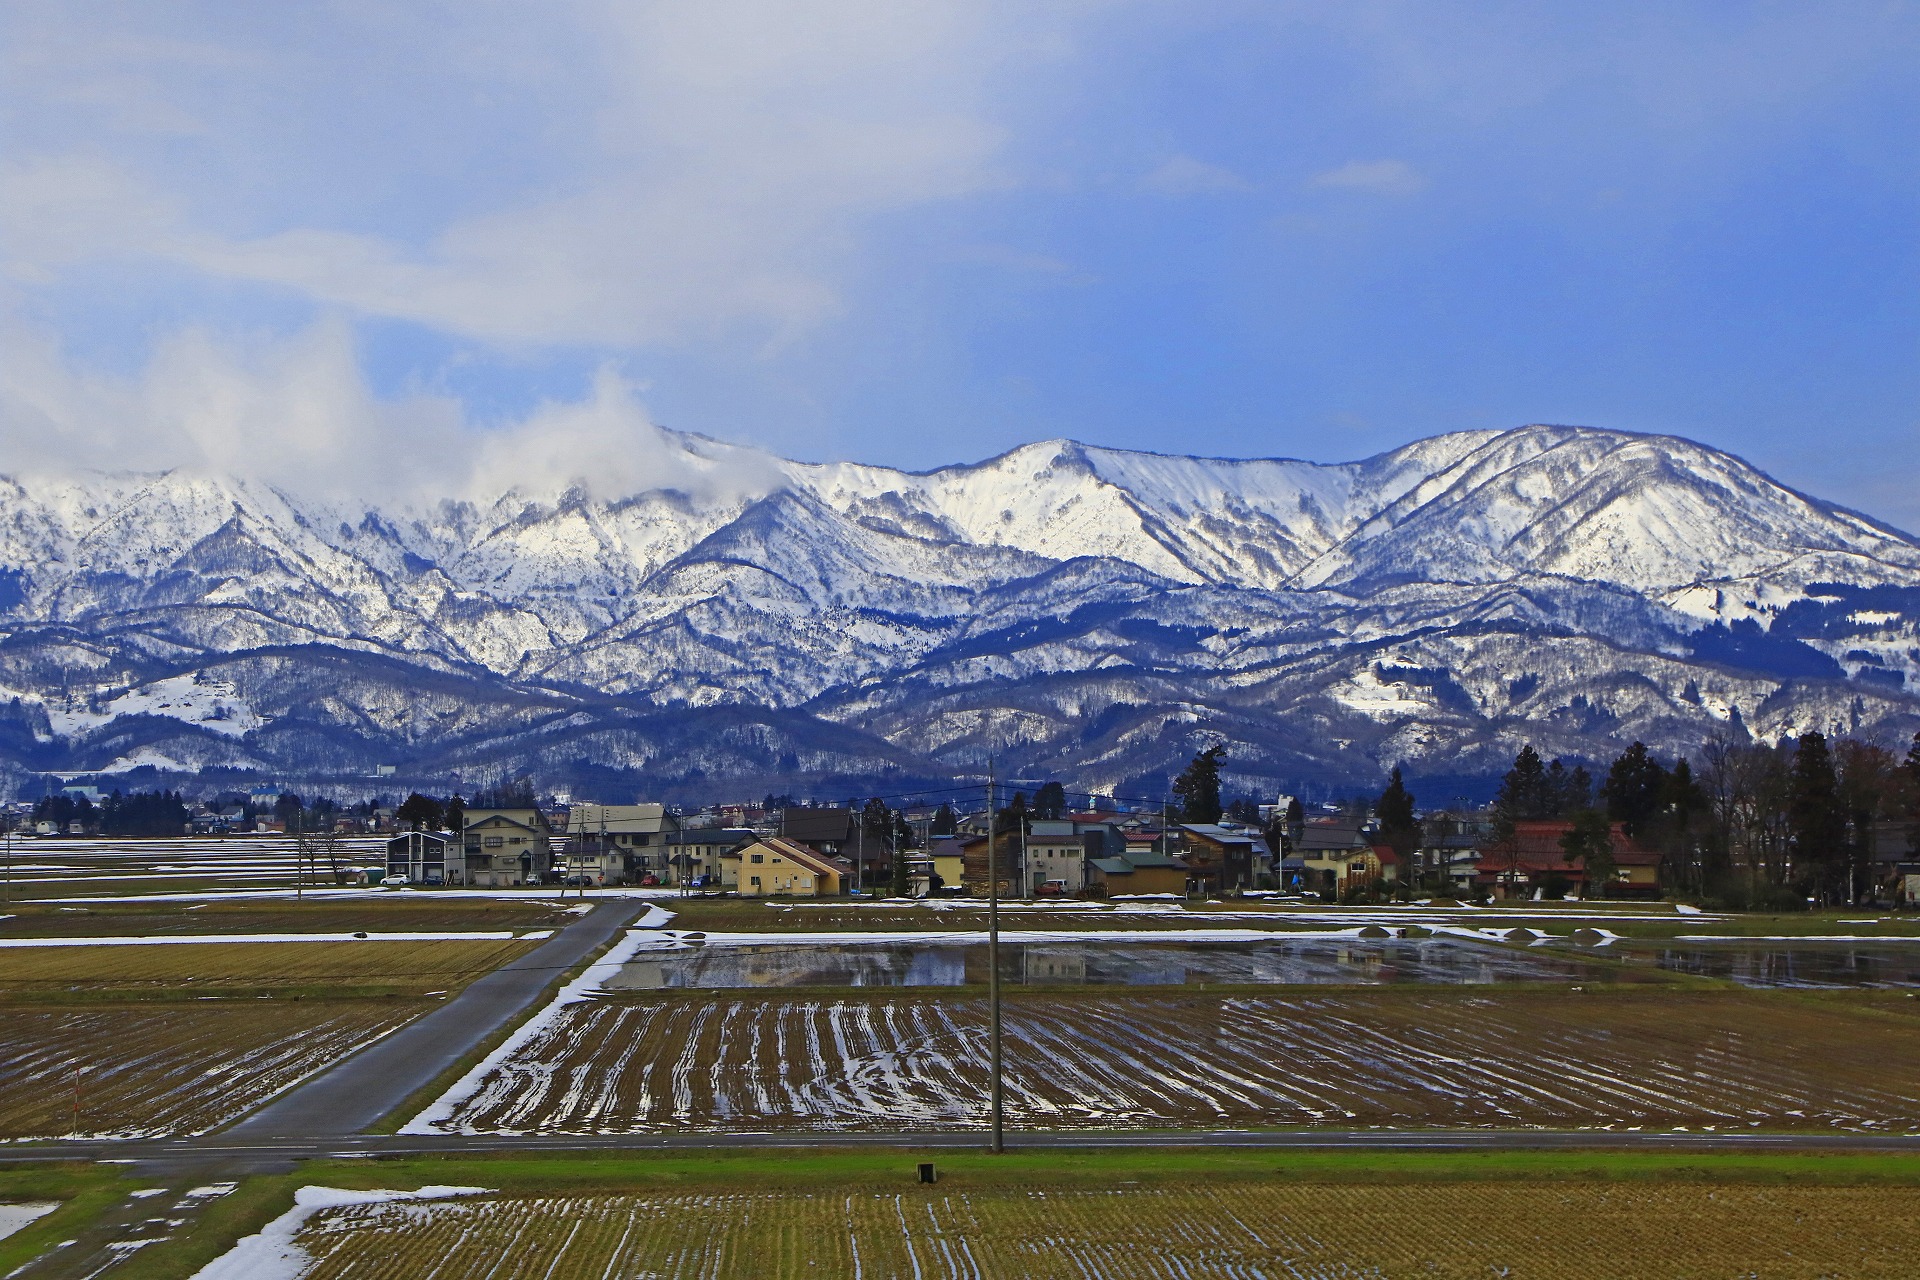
(367, 1086)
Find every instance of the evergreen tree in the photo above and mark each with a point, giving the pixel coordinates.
(1683, 804)
(1589, 843)
(1394, 810)
(1245, 811)
(422, 813)
(902, 886)
(1565, 790)
(944, 822)
(1636, 790)
(1816, 826)
(1398, 830)
(1012, 818)
(1198, 787)
(1525, 792)
(455, 814)
(1909, 793)
(1050, 801)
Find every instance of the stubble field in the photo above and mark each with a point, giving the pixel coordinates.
(170, 1068)
(64, 972)
(1568, 1231)
(1426, 1057)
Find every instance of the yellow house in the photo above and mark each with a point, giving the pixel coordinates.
(773, 865)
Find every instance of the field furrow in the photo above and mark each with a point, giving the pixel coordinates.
(920, 1061)
(1232, 1231)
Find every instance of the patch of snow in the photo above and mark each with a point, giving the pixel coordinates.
(197, 700)
(272, 1253)
(15, 1216)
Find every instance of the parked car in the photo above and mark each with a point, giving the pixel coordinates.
(396, 882)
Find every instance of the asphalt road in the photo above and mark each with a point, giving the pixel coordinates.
(237, 1153)
(361, 1089)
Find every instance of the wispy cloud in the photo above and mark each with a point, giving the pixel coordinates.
(1186, 176)
(1378, 177)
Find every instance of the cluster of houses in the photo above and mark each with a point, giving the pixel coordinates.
(823, 851)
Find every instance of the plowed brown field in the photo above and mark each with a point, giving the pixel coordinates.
(170, 1068)
(1394, 1057)
(415, 965)
(1559, 1232)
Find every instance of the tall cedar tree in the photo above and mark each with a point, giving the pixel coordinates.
(1909, 806)
(1589, 843)
(1525, 792)
(1012, 819)
(1050, 801)
(1198, 787)
(455, 814)
(900, 887)
(1566, 790)
(1864, 772)
(1815, 822)
(1682, 803)
(1636, 790)
(1394, 809)
(944, 822)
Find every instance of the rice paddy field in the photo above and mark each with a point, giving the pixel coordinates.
(62, 866)
(1397, 1056)
(393, 913)
(132, 1038)
(1246, 1230)
(365, 966)
(170, 1068)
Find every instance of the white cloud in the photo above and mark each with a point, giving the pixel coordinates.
(297, 413)
(1186, 176)
(1379, 177)
(724, 158)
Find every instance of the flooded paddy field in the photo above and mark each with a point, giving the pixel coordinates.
(1809, 964)
(717, 964)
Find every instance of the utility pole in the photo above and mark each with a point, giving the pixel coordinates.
(6, 890)
(993, 967)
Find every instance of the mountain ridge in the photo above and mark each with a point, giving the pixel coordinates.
(1330, 619)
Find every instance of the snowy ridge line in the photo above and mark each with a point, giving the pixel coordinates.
(644, 933)
(176, 939)
(271, 1254)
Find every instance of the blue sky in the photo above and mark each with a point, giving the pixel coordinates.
(918, 233)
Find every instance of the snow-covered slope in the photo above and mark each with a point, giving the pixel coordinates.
(1103, 611)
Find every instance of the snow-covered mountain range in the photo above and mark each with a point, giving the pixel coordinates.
(1085, 613)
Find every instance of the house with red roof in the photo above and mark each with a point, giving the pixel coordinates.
(1534, 860)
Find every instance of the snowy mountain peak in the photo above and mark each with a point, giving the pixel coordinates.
(1084, 600)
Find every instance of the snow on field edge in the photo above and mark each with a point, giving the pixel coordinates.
(644, 933)
(272, 1254)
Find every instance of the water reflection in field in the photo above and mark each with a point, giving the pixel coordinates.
(935, 964)
(1808, 964)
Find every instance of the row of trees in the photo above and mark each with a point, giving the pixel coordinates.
(143, 813)
(1755, 825)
